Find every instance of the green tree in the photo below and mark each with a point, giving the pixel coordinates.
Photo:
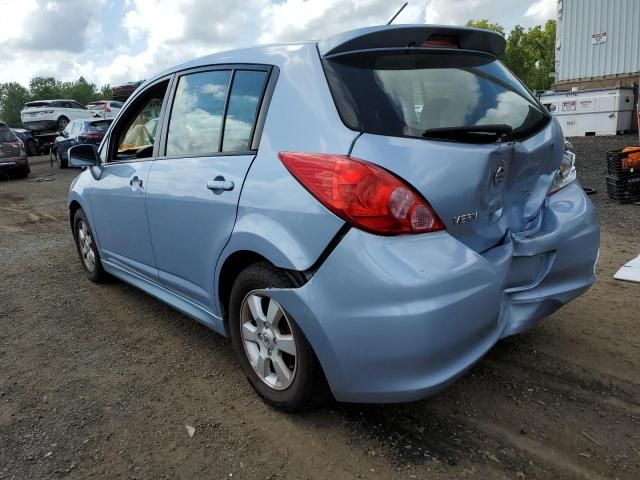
(13, 96)
(529, 53)
(80, 91)
(486, 25)
(44, 88)
(105, 92)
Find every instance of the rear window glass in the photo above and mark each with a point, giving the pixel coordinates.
(99, 126)
(440, 95)
(6, 135)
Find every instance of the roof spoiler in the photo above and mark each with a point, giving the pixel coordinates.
(403, 36)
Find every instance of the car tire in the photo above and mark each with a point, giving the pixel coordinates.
(86, 247)
(62, 163)
(306, 386)
(62, 122)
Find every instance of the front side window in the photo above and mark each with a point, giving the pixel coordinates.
(69, 128)
(454, 96)
(243, 107)
(135, 134)
(195, 125)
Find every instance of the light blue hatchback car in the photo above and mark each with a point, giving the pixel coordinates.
(365, 215)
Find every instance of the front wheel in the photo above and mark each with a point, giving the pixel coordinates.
(86, 246)
(272, 350)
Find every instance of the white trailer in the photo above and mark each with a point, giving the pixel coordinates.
(598, 111)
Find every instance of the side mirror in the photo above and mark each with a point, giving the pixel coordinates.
(84, 155)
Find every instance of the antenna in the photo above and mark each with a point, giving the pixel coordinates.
(397, 13)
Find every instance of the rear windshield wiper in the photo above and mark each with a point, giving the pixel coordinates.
(487, 132)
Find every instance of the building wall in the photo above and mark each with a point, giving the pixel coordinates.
(579, 60)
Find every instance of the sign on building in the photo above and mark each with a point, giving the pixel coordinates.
(597, 38)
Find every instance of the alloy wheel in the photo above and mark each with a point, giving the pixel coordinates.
(85, 244)
(268, 340)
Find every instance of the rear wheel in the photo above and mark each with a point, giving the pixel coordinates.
(273, 352)
(32, 148)
(62, 162)
(86, 247)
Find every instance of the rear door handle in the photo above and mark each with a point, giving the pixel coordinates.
(220, 184)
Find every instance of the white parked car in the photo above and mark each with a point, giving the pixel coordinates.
(105, 108)
(52, 115)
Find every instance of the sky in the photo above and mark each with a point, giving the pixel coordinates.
(115, 41)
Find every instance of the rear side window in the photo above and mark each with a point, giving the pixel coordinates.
(243, 106)
(455, 96)
(195, 125)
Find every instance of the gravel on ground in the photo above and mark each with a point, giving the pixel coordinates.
(103, 381)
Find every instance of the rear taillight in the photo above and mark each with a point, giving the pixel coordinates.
(363, 194)
(93, 136)
(106, 108)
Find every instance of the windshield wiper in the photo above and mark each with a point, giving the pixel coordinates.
(476, 133)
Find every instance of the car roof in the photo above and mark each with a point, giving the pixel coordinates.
(53, 100)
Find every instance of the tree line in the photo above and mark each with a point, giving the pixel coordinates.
(530, 54)
(13, 95)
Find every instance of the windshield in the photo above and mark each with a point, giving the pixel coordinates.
(444, 95)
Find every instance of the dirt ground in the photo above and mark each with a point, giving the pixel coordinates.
(100, 381)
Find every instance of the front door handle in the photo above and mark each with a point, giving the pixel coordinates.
(219, 184)
(136, 181)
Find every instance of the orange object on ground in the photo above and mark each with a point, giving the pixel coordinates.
(632, 158)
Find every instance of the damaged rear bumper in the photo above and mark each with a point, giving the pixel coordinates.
(396, 319)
